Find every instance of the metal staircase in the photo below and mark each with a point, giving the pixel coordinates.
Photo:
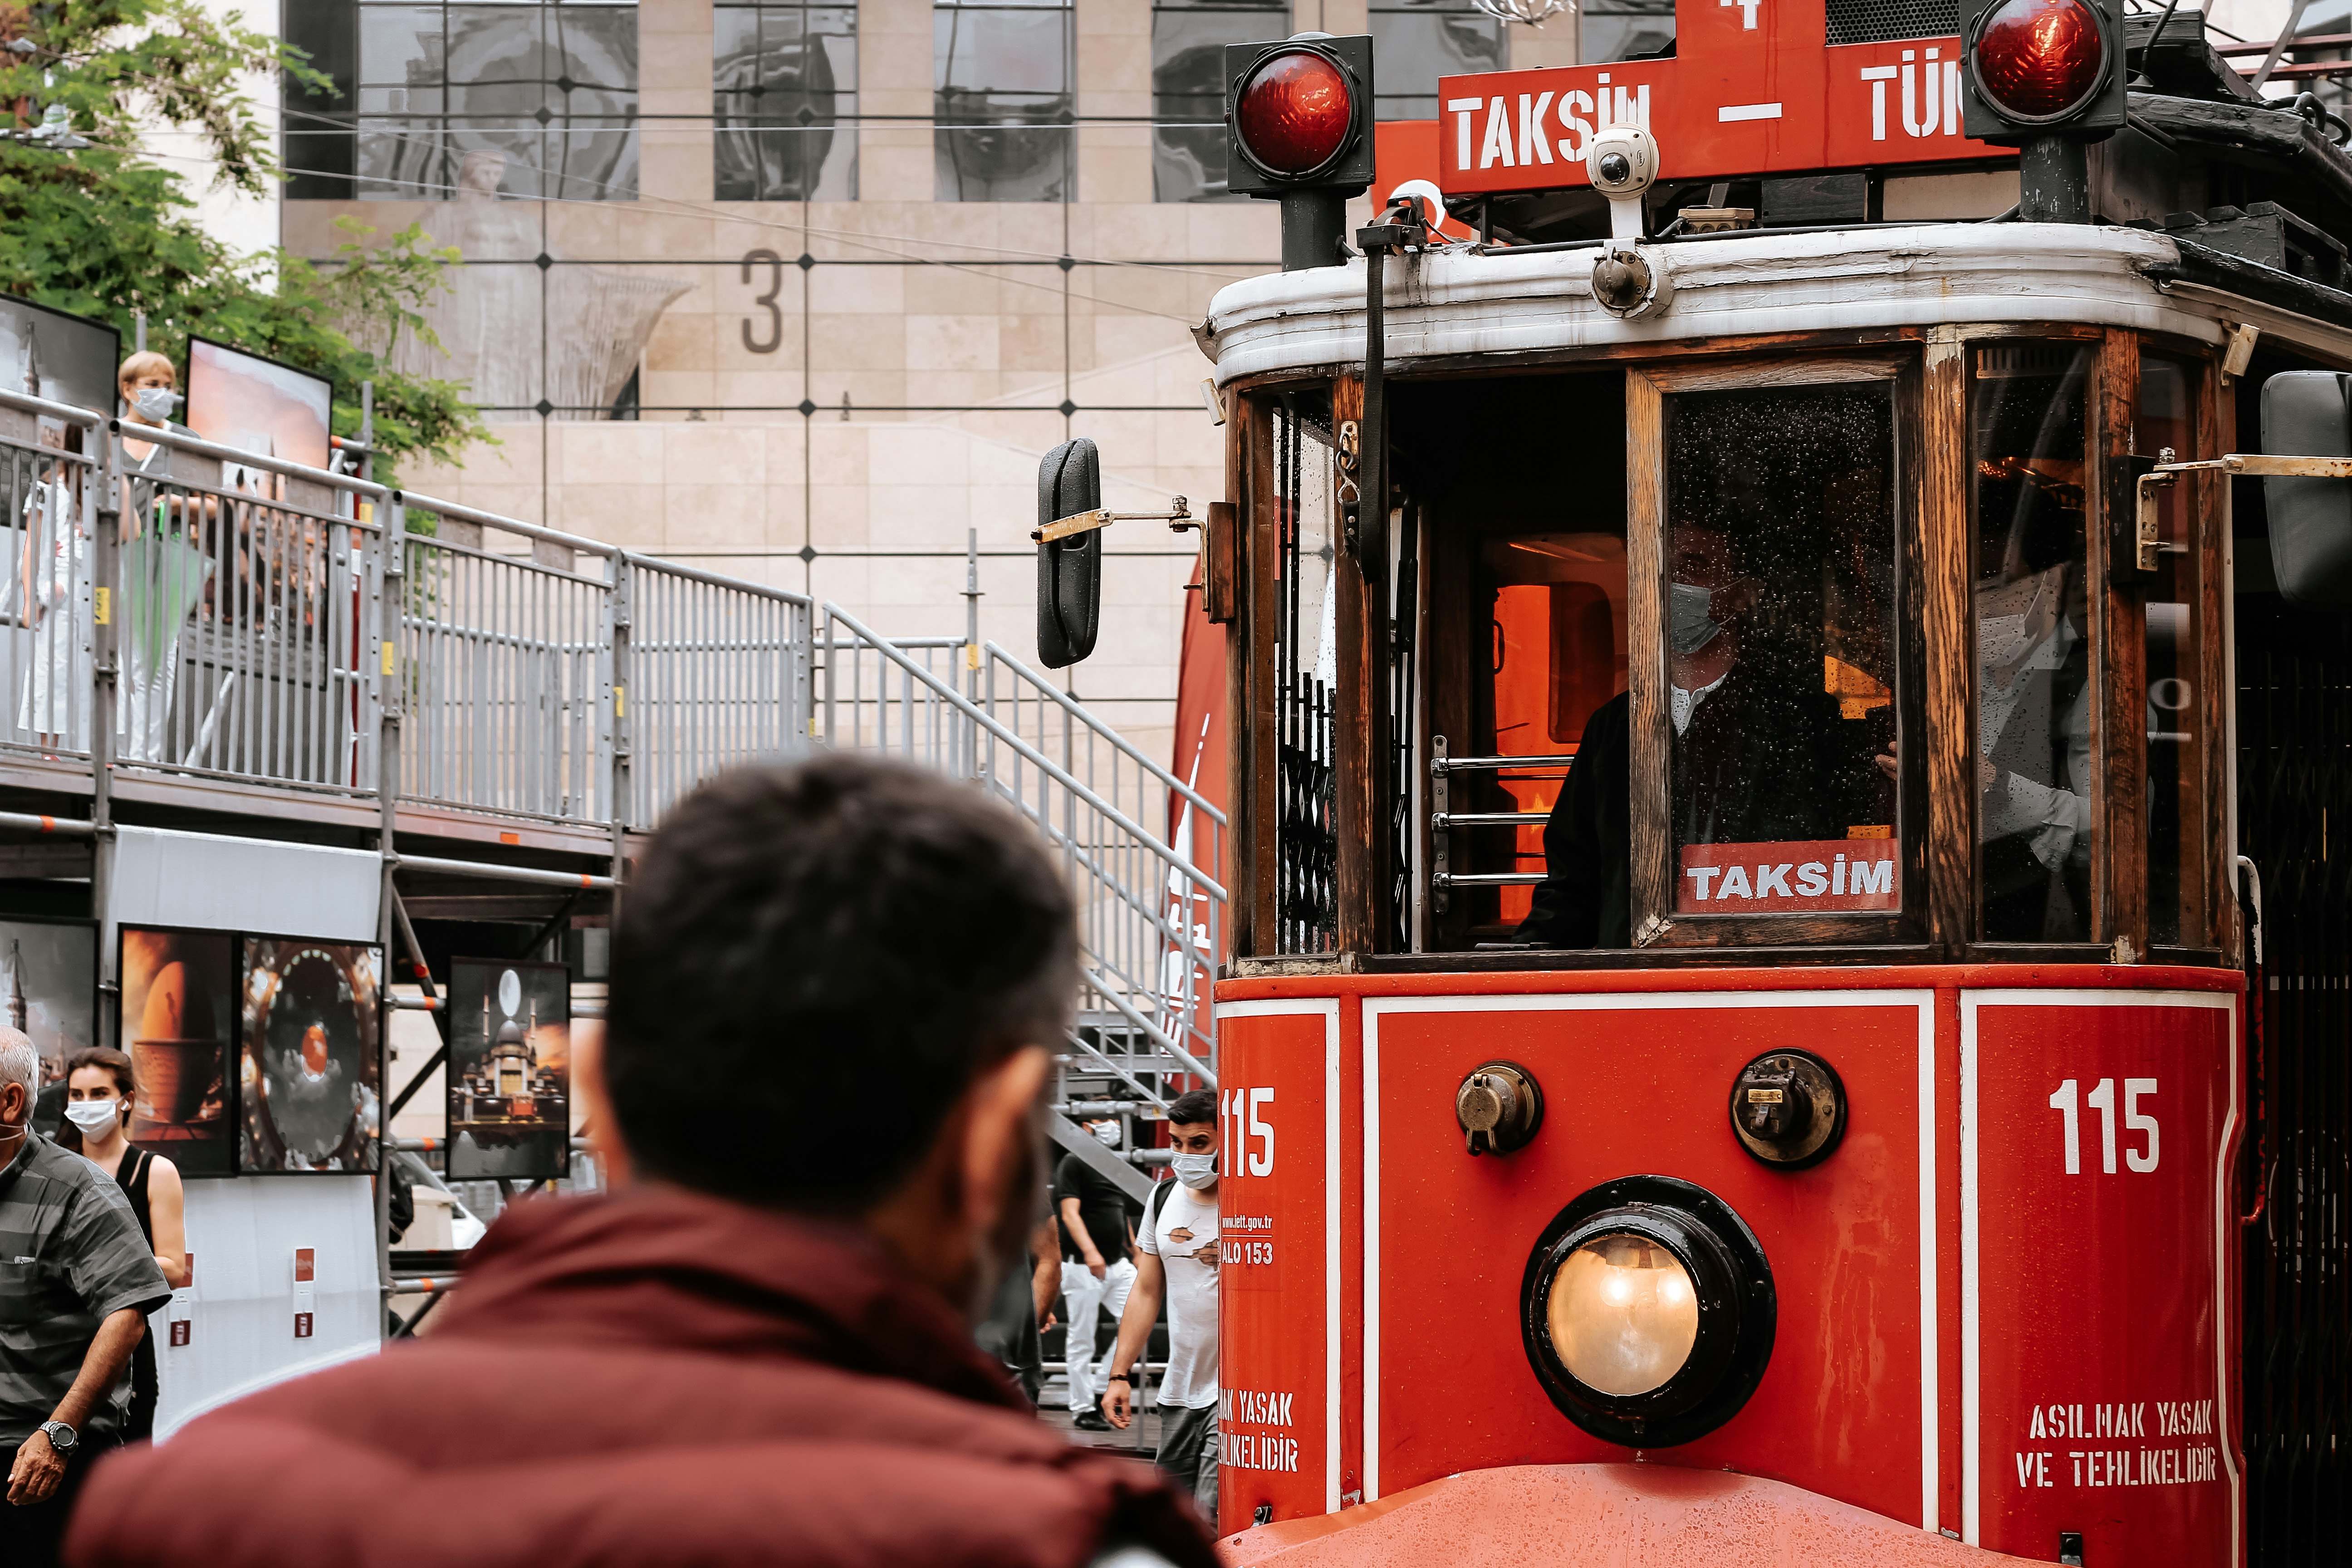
(1140, 847)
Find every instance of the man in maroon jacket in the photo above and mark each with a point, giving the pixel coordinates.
(834, 991)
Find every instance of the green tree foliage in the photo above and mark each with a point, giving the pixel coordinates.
(106, 232)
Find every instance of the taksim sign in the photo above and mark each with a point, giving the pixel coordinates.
(1836, 876)
(1753, 90)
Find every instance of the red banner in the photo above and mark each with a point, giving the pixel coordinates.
(1754, 89)
(1837, 876)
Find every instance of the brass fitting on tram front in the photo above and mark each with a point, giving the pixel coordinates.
(1499, 1106)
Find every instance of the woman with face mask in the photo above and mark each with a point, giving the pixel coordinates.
(101, 1087)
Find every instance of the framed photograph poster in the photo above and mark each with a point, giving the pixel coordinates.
(509, 1069)
(177, 1025)
(311, 1055)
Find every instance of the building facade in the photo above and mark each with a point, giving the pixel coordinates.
(800, 289)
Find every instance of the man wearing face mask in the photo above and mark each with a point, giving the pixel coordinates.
(1756, 756)
(77, 1281)
(1095, 1271)
(1177, 1249)
(836, 987)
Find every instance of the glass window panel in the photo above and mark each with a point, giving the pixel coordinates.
(551, 86)
(1555, 607)
(2035, 824)
(400, 46)
(785, 103)
(1003, 106)
(596, 49)
(1781, 614)
(1188, 92)
(1626, 30)
(1416, 42)
(2176, 703)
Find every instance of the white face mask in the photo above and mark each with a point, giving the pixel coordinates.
(1689, 626)
(154, 403)
(94, 1116)
(1107, 1134)
(1196, 1171)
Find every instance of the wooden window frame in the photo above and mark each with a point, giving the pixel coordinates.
(1656, 922)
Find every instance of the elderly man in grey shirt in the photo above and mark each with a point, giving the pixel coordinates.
(77, 1282)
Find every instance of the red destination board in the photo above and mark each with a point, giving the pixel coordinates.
(1754, 90)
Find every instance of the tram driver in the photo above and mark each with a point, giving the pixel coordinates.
(1759, 751)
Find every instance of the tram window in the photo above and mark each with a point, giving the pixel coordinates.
(1557, 621)
(1780, 628)
(2035, 823)
(2175, 780)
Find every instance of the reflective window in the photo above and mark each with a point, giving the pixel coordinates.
(1626, 30)
(2035, 822)
(1414, 42)
(2176, 783)
(1780, 625)
(1188, 89)
(783, 100)
(1005, 102)
(1557, 623)
(549, 86)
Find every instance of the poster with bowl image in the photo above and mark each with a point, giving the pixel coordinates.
(176, 1024)
(242, 400)
(48, 989)
(509, 1069)
(311, 1055)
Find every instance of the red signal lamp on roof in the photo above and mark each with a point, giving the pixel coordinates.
(1298, 128)
(1294, 112)
(2039, 60)
(2040, 67)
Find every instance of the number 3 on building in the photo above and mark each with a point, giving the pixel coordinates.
(2103, 1101)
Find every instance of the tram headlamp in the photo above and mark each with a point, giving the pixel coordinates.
(1648, 1311)
(1624, 1314)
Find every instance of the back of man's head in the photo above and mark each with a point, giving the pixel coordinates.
(20, 1060)
(812, 963)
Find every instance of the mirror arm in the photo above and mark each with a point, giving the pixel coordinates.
(2148, 536)
(1176, 517)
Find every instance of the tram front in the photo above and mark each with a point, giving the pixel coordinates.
(1732, 1035)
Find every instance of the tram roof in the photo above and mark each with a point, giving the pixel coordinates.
(1465, 303)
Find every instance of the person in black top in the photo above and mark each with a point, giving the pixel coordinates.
(101, 1088)
(1760, 755)
(1097, 1235)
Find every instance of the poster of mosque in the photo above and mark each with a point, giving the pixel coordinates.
(256, 405)
(62, 358)
(49, 989)
(176, 1024)
(509, 1069)
(311, 1055)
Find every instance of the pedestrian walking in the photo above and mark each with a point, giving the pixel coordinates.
(102, 1086)
(77, 1282)
(1097, 1271)
(836, 990)
(1177, 1249)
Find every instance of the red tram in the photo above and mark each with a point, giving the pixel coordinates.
(1736, 1038)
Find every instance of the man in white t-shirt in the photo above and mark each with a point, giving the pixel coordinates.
(1177, 1256)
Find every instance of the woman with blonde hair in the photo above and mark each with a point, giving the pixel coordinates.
(100, 1087)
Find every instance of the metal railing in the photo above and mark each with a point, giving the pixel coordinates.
(253, 620)
(1150, 910)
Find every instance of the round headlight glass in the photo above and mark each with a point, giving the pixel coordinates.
(1624, 1314)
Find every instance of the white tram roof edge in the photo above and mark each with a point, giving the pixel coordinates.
(1457, 302)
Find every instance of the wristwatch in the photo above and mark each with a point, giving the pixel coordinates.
(61, 1437)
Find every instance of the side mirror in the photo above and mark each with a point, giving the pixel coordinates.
(2308, 414)
(1069, 571)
